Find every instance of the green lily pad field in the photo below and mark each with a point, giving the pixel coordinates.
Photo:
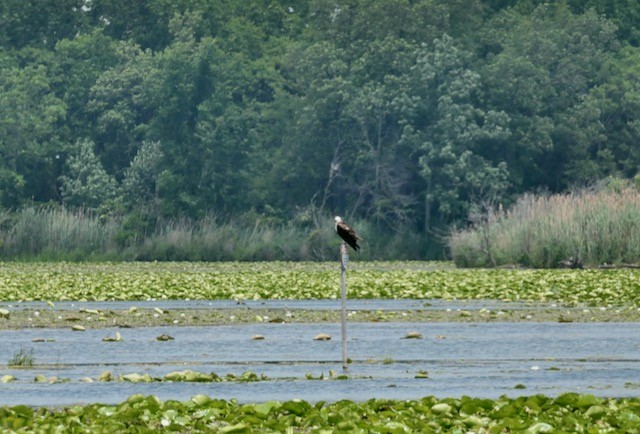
(280, 280)
(535, 414)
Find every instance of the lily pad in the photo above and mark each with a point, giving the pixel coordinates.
(413, 335)
(106, 376)
(137, 378)
(441, 408)
(116, 338)
(189, 376)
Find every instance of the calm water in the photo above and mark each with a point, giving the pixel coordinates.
(476, 359)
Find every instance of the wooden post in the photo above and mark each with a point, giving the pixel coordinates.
(344, 259)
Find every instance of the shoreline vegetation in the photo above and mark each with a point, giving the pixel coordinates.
(584, 229)
(53, 233)
(594, 229)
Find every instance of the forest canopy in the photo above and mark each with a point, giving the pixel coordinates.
(402, 113)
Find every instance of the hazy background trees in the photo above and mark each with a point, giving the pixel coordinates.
(404, 114)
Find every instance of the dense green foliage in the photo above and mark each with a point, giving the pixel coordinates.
(310, 280)
(384, 111)
(535, 414)
(586, 228)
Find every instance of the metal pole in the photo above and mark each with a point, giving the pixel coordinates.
(344, 259)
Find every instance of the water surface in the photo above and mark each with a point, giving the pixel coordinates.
(475, 359)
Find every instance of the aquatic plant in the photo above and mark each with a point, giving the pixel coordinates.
(570, 412)
(22, 358)
(310, 280)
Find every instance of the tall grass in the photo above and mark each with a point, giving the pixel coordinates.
(58, 234)
(593, 228)
(54, 233)
(211, 240)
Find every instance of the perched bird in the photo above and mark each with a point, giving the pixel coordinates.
(347, 234)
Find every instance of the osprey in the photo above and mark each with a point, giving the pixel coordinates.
(347, 234)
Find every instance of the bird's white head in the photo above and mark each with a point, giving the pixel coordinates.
(337, 219)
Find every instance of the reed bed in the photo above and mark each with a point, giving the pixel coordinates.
(59, 234)
(55, 233)
(546, 231)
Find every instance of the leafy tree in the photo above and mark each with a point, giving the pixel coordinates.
(178, 84)
(224, 134)
(76, 65)
(120, 107)
(353, 24)
(205, 97)
(86, 184)
(40, 23)
(540, 67)
(582, 141)
(139, 186)
(30, 114)
(312, 139)
(380, 172)
(140, 22)
(340, 150)
(625, 14)
(453, 133)
(605, 127)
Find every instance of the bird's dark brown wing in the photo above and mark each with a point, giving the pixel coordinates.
(348, 235)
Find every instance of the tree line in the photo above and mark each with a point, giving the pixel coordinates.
(405, 113)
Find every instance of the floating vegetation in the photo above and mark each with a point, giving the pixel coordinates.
(50, 380)
(191, 376)
(566, 413)
(413, 335)
(277, 280)
(116, 338)
(186, 375)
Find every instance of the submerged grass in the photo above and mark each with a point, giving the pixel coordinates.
(543, 231)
